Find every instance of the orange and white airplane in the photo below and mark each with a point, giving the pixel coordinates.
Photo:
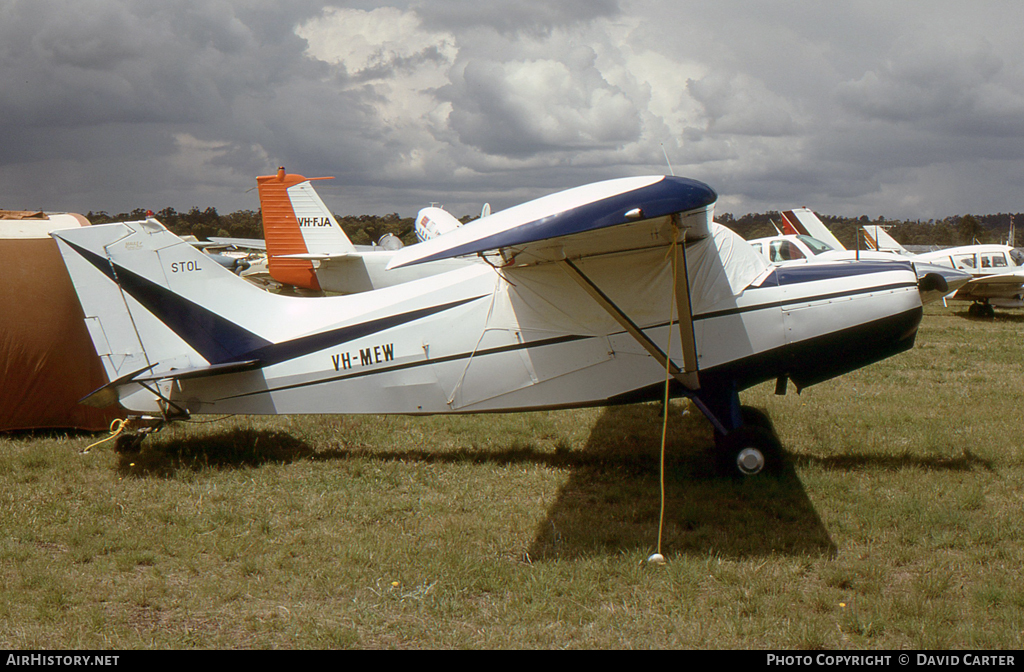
(307, 248)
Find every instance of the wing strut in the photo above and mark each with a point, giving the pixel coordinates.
(688, 374)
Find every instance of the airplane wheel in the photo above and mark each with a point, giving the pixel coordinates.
(748, 451)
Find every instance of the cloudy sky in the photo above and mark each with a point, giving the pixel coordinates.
(905, 108)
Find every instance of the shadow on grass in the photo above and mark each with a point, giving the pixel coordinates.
(611, 501)
(616, 507)
(965, 462)
(235, 448)
(1001, 315)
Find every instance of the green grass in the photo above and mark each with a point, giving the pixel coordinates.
(896, 524)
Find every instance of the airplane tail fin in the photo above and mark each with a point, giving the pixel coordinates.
(878, 239)
(432, 222)
(296, 224)
(803, 221)
(157, 309)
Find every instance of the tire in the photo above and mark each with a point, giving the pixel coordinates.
(128, 443)
(748, 451)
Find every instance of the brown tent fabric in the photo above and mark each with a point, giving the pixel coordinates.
(47, 361)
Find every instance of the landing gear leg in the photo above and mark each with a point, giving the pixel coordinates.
(983, 309)
(748, 445)
(135, 431)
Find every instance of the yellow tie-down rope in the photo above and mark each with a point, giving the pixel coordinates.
(116, 427)
(658, 558)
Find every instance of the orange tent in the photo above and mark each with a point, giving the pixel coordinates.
(47, 361)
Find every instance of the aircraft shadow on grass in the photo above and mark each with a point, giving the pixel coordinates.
(613, 504)
(226, 449)
(610, 502)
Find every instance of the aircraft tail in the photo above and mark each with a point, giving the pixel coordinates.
(878, 239)
(432, 222)
(297, 225)
(157, 309)
(803, 221)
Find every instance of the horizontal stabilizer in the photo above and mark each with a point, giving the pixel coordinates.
(107, 395)
(550, 225)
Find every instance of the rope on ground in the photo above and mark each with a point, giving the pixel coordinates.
(116, 427)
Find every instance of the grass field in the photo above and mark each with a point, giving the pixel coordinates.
(896, 524)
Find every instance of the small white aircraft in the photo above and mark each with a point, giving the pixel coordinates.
(935, 280)
(997, 271)
(602, 294)
(308, 249)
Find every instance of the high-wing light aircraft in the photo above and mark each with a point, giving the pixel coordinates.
(597, 295)
(307, 248)
(997, 271)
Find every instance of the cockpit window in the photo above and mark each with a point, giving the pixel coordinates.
(1017, 254)
(993, 260)
(962, 260)
(783, 250)
(816, 246)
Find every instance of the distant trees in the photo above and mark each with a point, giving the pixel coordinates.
(942, 232)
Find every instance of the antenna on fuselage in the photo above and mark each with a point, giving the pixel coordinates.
(672, 172)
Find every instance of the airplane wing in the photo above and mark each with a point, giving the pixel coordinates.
(240, 243)
(996, 286)
(321, 256)
(617, 215)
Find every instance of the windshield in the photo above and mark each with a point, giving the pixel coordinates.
(817, 247)
(1017, 254)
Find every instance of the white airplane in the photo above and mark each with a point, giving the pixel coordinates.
(602, 294)
(308, 249)
(997, 271)
(935, 280)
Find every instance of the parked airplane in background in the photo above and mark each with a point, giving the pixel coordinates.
(935, 280)
(597, 295)
(996, 270)
(307, 248)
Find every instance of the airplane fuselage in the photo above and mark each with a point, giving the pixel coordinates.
(531, 338)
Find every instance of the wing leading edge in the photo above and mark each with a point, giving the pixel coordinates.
(547, 229)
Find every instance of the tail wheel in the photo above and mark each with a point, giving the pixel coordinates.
(748, 451)
(129, 443)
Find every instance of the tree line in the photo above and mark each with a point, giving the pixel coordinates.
(947, 232)
(367, 229)
(361, 230)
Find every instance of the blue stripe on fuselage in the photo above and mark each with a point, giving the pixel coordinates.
(221, 341)
(798, 273)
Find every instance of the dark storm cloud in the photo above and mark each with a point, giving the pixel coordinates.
(891, 108)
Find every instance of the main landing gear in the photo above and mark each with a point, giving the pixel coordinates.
(981, 309)
(745, 441)
(748, 450)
